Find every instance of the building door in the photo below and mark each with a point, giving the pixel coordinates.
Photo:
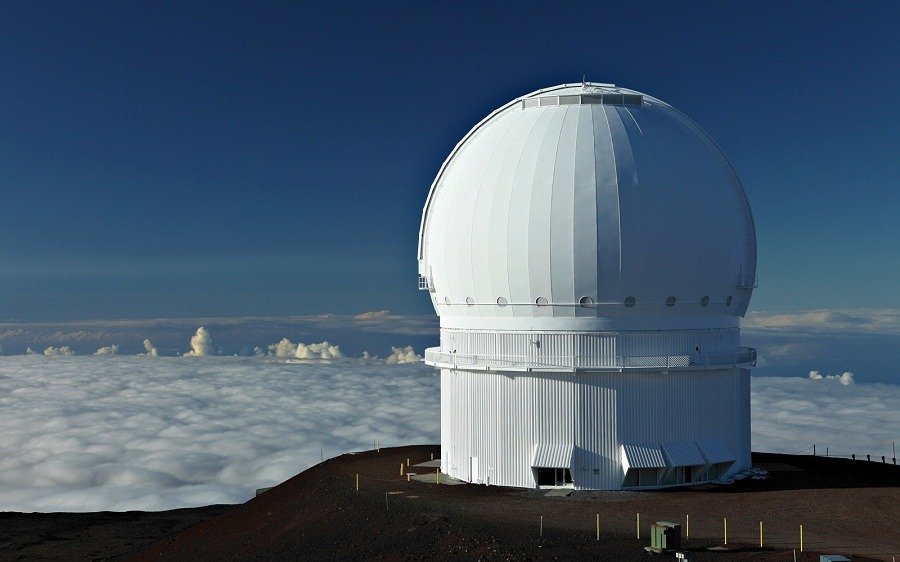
(474, 474)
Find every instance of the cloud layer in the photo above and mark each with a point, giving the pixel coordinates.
(81, 434)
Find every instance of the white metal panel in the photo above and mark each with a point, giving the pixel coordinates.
(584, 235)
(519, 218)
(643, 455)
(683, 453)
(562, 211)
(552, 455)
(716, 450)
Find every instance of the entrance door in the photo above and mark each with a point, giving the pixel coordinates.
(474, 474)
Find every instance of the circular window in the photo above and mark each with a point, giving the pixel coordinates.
(541, 301)
(670, 302)
(629, 302)
(502, 301)
(728, 300)
(586, 302)
(447, 300)
(470, 301)
(704, 301)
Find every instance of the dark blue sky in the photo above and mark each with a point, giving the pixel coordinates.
(181, 159)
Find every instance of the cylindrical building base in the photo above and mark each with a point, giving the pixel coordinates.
(595, 430)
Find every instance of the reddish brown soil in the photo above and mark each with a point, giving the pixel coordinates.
(845, 507)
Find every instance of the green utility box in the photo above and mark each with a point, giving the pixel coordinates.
(665, 536)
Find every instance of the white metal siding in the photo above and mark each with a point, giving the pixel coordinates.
(501, 418)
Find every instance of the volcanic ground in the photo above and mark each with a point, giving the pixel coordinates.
(847, 507)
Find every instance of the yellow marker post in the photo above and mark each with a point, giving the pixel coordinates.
(801, 538)
(437, 476)
(401, 469)
(407, 476)
(687, 526)
(639, 524)
(725, 526)
(598, 526)
(407, 462)
(760, 535)
(357, 482)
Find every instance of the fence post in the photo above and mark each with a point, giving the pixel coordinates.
(801, 538)
(598, 526)
(638, 524)
(357, 482)
(725, 528)
(760, 535)
(687, 526)
(542, 525)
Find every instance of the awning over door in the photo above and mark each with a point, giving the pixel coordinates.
(683, 453)
(642, 456)
(716, 451)
(552, 455)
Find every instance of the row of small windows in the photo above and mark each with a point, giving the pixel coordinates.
(588, 302)
(584, 99)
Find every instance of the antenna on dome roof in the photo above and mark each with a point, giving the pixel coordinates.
(583, 83)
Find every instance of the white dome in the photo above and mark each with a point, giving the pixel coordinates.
(587, 201)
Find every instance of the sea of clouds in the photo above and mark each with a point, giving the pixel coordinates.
(114, 432)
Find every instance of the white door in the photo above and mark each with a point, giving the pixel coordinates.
(474, 474)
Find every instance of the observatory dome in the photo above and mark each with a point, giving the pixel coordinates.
(588, 205)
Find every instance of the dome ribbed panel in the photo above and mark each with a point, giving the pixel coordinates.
(500, 177)
(607, 208)
(585, 212)
(562, 212)
(539, 217)
(470, 216)
(519, 212)
(672, 220)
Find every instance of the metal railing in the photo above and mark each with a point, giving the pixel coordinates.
(434, 356)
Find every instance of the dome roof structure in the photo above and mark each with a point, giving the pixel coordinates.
(587, 201)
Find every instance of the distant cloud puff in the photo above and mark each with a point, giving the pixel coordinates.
(201, 344)
(150, 348)
(108, 350)
(846, 378)
(373, 315)
(324, 350)
(402, 355)
(54, 351)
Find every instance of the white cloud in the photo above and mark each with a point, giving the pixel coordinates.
(108, 350)
(201, 344)
(846, 378)
(373, 315)
(150, 349)
(868, 321)
(402, 355)
(81, 434)
(53, 351)
(126, 433)
(286, 349)
(792, 413)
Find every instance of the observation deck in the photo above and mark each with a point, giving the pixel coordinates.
(572, 364)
